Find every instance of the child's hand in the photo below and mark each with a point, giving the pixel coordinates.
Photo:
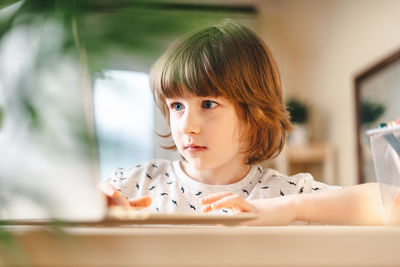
(270, 211)
(115, 198)
(226, 200)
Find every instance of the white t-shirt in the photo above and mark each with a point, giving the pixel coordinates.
(173, 191)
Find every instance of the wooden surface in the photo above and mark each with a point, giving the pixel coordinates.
(142, 217)
(210, 246)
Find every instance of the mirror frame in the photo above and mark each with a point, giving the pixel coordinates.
(370, 72)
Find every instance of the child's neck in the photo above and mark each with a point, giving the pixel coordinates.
(218, 176)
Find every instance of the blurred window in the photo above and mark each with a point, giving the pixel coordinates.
(124, 119)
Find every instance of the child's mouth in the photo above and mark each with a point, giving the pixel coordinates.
(194, 148)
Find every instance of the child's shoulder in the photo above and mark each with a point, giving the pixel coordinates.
(274, 175)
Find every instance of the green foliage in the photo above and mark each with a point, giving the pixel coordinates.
(104, 28)
(6, 3)
(298, 111)
(1, 117)
(371, 111)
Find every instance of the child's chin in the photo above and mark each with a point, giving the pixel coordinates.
(199, 164)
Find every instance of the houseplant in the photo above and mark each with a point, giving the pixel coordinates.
(370, 112)
(299, 116)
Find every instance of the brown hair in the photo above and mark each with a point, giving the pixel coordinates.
(228, 60)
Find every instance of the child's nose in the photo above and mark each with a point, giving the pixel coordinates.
(191, 123)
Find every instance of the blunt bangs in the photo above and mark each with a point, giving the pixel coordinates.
(190, 69)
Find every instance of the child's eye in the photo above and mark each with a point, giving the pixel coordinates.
(177, 106)
(208, 104)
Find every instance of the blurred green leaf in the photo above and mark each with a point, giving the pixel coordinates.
(31, 113)
(6, 3)
(1, 117)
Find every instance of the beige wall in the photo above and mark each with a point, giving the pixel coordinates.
(320, 47)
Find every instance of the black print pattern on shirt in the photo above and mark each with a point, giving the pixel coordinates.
(291, 183)
(281, 193)
(169, 182)
(137, 186)
(225, 211)
(123, 178)
(245, 191)
(164, 194)
(259, 169)
(166, 174)
(175, 202)
(183, 189)
(192, 207)
(316, 188)
(151, 188)
(157, 209)
(137, 166)
(154, 166)
(148, 176)
(301, 190)
(198, 193)
(265, 187)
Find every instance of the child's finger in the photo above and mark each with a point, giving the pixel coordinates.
(206, 208)
(228, 202)
(119, 200)
(107, 189)
(233, 202)
(142, 202)
(214, 197)
(114, 197)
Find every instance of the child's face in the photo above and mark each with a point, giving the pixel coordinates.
(206, 131)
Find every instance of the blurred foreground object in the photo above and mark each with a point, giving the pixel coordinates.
(385, 145)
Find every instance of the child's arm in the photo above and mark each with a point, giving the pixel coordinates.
(355, 205)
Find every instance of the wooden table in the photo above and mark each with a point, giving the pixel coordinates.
(209, 246)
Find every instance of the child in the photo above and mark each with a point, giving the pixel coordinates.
(221, 94)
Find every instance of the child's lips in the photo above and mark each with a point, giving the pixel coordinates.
(195, 148)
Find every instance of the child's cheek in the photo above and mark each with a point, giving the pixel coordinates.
(175, 135)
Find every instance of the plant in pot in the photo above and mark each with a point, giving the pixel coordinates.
(298, 116)
(371, 112)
